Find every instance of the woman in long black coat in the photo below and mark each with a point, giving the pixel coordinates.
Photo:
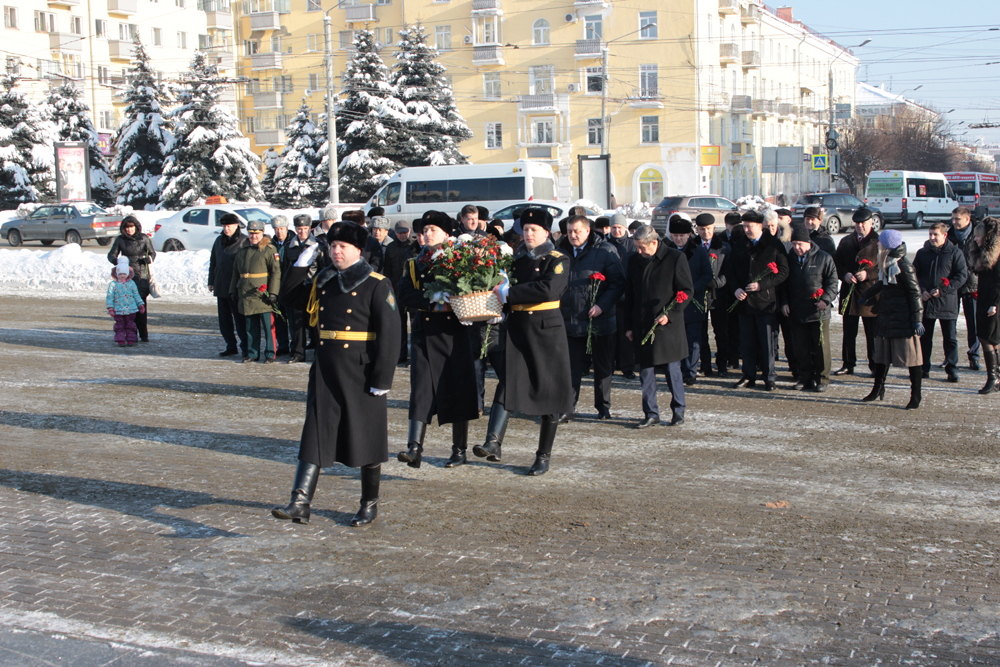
(138, 247)
(983, 255)
(899, 317)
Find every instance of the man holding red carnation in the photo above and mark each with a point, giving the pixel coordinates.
(941, 273)
(855, 259)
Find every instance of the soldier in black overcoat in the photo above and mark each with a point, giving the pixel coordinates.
(537, 377)
(442, 375)
(304, 257)
(718, 254)
(656, 275)
(354, 311)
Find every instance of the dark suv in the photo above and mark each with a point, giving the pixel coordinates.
(838, 210)
(693, 205)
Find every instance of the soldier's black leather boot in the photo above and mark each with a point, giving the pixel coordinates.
(414, 444)
(494, 434)
(306, 477)
(546, 436)
(370, 478)
(459, 444)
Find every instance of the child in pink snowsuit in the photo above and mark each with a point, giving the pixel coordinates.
(123, 303)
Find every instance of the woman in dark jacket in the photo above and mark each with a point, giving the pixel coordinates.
(138, 247)
(983, 254)
(899, 317)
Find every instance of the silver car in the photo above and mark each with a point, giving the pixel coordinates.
(72, 223)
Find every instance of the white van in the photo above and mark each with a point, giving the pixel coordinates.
(910, 196)
(413, 190)
(978, 192)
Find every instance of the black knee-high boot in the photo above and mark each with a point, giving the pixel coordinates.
(916, 375)
(414, 444)
(989, 356)
(459, 443)
(878, 390)
(494, 434)
(370, 478)
(546, 436)
(303, 490)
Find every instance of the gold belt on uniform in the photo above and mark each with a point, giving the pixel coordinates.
(253, 275)
(548, 305)
(346, 335)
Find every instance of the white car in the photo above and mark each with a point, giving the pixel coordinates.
(558, 210)
(196, 227)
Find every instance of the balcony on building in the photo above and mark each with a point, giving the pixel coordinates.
(127, 7)
(267, 99)
(537, 103)
(269, 137)
(487, 54)
(647, 99)
(760, 107)
(785, 109)
(119, 49)
(718, 101)
(741, 104)
(265, 21)
(729, 6)
(64, 3)
(751, 60)
(587, 49)
(750, 14)
(118, 81)
(225, 60)
(590, 4)
(486, 8)
(65, 41)
(265, 61)
(228, 95)
(729, 53)
(218, 15)
(360, 13)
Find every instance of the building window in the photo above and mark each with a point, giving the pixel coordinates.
(45, 22)
(346, 38)
(314, 83)
(485, 30)
(647, 25)
(314, 42)
(494, 135)
(387, 37)
(103, 75)
(182, 40)
(128, 32)
(179, 3)
(101, 28)
(594, 77)
(442, 37)
(204, 42)
(383, 2)
(313, 6)
(10, 17)
(647, 81)
(593, 27)
(248, 125)
(283, 84)
(106, 120)
(73, 65)
(595, 132)
(650, 129)
(540, 32)
(651, 186)
(543, 131)
(491, 85)
(541, 79)
(76, 25)
(157, 37)
(13, 66)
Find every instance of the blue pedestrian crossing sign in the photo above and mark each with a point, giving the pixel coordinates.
(819, 162)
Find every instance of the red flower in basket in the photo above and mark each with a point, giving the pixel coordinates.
(817, 294)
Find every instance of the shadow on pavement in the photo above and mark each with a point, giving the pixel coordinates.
(138, 500)
(185, 346)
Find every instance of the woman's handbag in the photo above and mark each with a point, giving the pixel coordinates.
(154, 289)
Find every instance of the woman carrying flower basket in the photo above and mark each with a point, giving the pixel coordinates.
(537, 378)
(442, 377)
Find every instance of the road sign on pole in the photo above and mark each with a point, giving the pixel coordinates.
(819, 162)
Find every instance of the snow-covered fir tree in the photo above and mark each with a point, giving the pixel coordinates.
(420, 83)
(143, 138)
(295, 176)
(371, 123)
(270, 160)
(26, 159)
(210, 156)
(71, 116)
(321, 177)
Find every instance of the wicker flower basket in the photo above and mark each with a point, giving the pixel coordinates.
(476, 307)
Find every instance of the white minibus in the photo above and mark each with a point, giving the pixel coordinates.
(978, 192)
(910, 196)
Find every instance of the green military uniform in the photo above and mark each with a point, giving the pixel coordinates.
(256, 280)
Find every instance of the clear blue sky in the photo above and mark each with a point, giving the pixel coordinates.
(943, 46)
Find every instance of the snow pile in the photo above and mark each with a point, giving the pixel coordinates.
(70, 269)
(753, 203)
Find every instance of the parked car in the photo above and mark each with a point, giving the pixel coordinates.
(838, 210)
(195, 227)
(693, 206)
(558, 210)
(73, 223)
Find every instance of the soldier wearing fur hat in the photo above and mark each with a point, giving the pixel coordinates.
(681, 231)
(442, 377)
(855, 260)
(302, 260)
(402, 248)
(718, 253)
(354, 311)
(537, 377)
(256, 282)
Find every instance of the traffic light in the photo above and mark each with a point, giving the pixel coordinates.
(831, 139)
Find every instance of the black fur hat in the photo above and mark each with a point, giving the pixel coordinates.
(348, 232)
(443, 221)
(753, 216)
(536, 215)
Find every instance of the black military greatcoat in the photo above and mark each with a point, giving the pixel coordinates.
(651, 284)
(355, 315)
(538, 379)
(442, 374)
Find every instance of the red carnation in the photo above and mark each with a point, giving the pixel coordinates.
(945, 282)
(817, 294)
(681, 297)
(773, 266)
(865, 263)
(975, 295)
(597, 276)
(713, 256)
(263, 288)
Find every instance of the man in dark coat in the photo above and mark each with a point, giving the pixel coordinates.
(138, 247)
(809, 294)
(940, 261)
(401, 249)
(696, 314)
(961, 235)
(717, 298)
(537, 377)
(656, 276)
(302, 260)
(374, 252)
(279, 224)
(442, 376)
(588, 319)
(624, 350)
(733, 234)
(759, 266)
(469, 222)
(232, 325)
(852, 252)
(812, 219)
(354, 311)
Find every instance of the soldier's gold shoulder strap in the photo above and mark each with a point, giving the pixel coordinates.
(377, 276)
(312, 307)
(413, 273)
(556, 254)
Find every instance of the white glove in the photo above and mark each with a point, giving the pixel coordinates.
(503, 288)
(495, 320)
(466, 323)
(307, 256)
(379, 392)
(438, 297)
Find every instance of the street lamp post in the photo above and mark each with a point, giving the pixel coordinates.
(331, 126)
